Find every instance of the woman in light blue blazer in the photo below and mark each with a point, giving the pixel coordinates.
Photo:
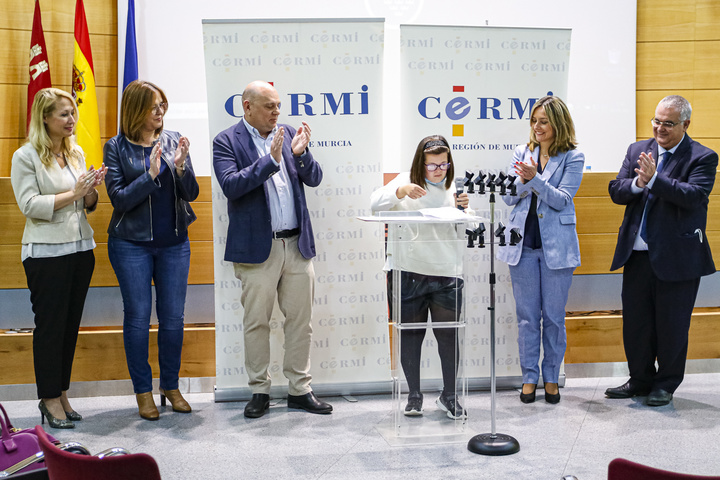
(541, 266)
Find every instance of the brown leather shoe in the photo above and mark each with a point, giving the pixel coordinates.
(179, 404)
(146, 406)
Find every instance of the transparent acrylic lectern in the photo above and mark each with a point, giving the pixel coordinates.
(425, 279)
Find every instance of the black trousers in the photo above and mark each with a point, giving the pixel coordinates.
(58, 287)
(442, 298)
(656, 321)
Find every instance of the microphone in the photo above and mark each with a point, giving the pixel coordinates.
(480, 182)
(459, 188)
(515, 236)
(500, 181)
(480, 230)
(468, 181)
(512, 186)
(491, 182)
(500, 234)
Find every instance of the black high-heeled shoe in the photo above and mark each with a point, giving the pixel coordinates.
(52, 421)
(528, 397)
(552, 397)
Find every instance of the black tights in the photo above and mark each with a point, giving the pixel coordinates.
(442, 298)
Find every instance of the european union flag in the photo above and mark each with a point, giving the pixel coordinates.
(131, 60)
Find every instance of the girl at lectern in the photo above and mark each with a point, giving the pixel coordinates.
(150, 182)
(541, 266)
(430, 268)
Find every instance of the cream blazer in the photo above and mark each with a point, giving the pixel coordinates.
(35, 186)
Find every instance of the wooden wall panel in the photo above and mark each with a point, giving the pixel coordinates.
(58, 23)
(599, 219)
(60, 50)
(59, 15)
(13, 224)
(595, 184)
(598, 214)
(598, 338)
(13, 96)
(705, 103)
(7, 148)
(707, 59)
(200, 230)
(13, 274)
(596, 253)
(200, 233)
(707, 23)
(201, 266)
(713, 143)
(665, 20)
(100, 355)
(655, 72)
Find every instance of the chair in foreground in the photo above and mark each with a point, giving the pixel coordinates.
(62, 465)
(621, 469)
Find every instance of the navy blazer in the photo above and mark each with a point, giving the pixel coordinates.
(555, 188)
(677, 244)
(242, 175)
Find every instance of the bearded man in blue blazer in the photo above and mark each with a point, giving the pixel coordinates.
(262, 168)
(663, 248)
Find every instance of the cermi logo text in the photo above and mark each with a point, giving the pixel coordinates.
(458, 108)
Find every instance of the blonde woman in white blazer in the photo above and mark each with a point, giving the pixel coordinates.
(54, 191)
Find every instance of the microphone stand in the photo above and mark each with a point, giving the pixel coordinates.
(493, 443)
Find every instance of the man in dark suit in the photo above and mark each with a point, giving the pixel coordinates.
(262, 168)
(664, 249)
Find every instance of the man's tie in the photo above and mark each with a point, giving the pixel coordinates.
(651, 198)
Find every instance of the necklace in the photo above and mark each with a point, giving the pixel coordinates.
(58, 155)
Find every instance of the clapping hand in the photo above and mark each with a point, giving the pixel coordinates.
(646, 169)
(525, 171)
(181, 152)
(277, 144)
(155, 156)
(100, 175)
(85, 183)
(301, 140)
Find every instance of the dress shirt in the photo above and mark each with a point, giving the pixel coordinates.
(280, 191)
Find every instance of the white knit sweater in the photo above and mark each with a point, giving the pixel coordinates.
(428, 249)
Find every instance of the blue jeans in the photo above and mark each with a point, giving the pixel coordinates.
(540, 298)
(136, 267)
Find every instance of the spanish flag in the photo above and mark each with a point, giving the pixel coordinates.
(87, 129)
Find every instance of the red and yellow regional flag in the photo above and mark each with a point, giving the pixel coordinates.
(39, 68)
(83, 85)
